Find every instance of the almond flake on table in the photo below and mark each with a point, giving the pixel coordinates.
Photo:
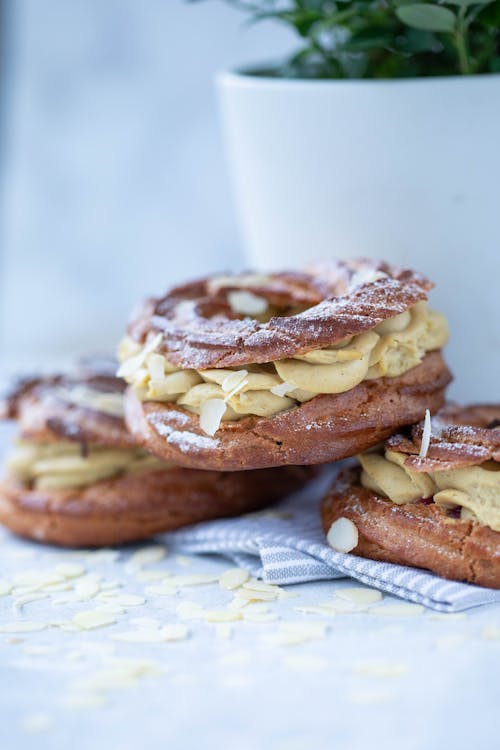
(146, 556)
(5, 588)
(22, 600)
(23, 626)
(380, 668)
(221, 615)
(359, 595)
(70, 570)
(233, 578)
(195, 579)
(93, 618)
(491, 632)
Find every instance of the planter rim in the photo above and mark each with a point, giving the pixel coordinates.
(238, 78)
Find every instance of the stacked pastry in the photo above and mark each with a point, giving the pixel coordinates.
(238, 385)
(76, 477)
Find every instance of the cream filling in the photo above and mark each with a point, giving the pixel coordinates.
(390, 349)
(474, 489)
(63, 465)
(91, 398)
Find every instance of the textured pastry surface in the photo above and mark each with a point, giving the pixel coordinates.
(424, 533)
(313, 309)
(55, 413)
(134, 507)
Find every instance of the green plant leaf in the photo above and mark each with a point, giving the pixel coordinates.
(427, 17)
(466, 3)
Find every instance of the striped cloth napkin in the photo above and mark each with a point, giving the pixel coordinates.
(287, 545)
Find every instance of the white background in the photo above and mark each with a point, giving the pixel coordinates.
(113, 173)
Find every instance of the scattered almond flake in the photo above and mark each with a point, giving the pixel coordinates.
(261, 586)
(380, 668)
(359, 595)
(70, 570)
(224, 630)
(92, 618)
(211, 412)
(190, 611)
(260, 616)
(106, 679)
(55, 588)
(37, 722)
(256, 596)
(183, 560)
(39, 650)
(450, 641)
(23, 626)
(221, 615)
(69, 599)
(5, 588)
(260, 607)
(304, 662)
(491, 632)
(87, 587)
(397, 610)
(370, 697)
(343, 535)
(110, 585)
(161, 590)
(102, 556)
(144, 576)
(37, 578)
(426, 435)
(288, 594)
(233, 380)
(233, 578)
(292, 633)
(120, 673)
(147, 556)
(150, 623)
(246, 303)
(238, 602)
(70, 627)
(175, 632)
(85, 701)
(315, 609)
(129, 600)
(13, 641)
(450, 616)
(236, 659)
(195, 579)
(22, 600)
(282, 389)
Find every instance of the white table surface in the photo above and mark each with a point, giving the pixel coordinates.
(399, 681)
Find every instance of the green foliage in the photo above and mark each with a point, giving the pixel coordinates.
(383, 38)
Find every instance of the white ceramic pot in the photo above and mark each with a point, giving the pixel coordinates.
(406, 170)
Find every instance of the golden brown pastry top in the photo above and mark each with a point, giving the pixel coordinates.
(247, 318)
(460, 436)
